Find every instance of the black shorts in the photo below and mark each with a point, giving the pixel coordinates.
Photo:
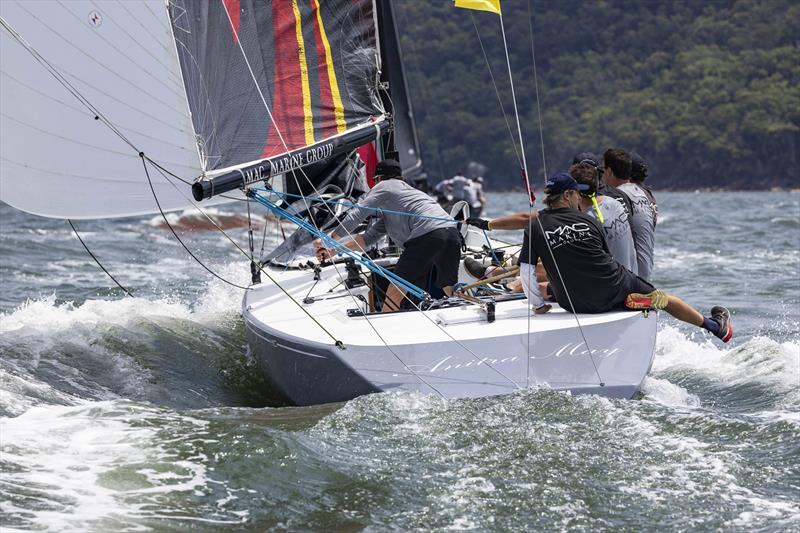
(440, 248)
(615, 300)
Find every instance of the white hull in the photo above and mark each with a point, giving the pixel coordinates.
(454, 352)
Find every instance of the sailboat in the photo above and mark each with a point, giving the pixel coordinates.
(122, 109)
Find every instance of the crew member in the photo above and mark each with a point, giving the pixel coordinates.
(604, 188)
(584, 277)
(610, 214)
(617, 174)
(411, 219)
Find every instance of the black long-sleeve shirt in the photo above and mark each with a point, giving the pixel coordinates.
(589, 274)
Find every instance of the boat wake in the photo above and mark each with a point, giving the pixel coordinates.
(86, 452)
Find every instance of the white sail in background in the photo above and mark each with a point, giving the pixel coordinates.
(56, 159)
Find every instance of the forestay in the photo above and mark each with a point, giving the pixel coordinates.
(56, 159)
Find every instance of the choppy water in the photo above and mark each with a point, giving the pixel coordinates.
(144, 413)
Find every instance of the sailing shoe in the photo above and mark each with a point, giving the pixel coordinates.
(654, 300)
(474, 267)
(723, 318)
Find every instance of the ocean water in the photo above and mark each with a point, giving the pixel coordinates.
(145, 413)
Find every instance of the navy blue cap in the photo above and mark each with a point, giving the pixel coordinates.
(562, 181)
(586, 157)
(388, 168)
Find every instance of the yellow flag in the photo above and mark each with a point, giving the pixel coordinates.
(480, 5)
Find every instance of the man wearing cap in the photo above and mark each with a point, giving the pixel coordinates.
(411, 219)
(617, 173)
(583, 275)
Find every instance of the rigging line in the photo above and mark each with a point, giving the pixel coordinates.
(316, 191)
(82, 112)
(366, 208)
(340, 248)
(164, 216)
(263, 238)
(78, 235)
(536, 87)
(496, 90)
(544, 167)
(111, 45)
(516, 116)
(569, 299)
(244, 252)
(303, 173)
(385, 274)
(525, 175)
(187, 182)
(104, 67)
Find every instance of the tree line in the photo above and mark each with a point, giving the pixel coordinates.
(708, 92)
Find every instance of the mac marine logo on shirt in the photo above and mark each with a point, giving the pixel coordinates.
(568, 234)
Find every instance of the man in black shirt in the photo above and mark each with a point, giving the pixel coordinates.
(583, 275)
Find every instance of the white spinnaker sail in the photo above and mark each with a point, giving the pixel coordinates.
(56, 160)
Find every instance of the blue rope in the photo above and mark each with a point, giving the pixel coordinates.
(285, 195)
(339, 247)
(489, 244)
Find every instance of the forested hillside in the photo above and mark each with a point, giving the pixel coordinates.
(707, 91)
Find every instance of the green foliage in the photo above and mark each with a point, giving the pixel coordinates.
(707, 92)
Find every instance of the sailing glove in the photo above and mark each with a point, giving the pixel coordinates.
(480, 223)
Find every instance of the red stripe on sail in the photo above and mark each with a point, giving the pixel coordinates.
(327, 114)
(234, 10)
(287, 94)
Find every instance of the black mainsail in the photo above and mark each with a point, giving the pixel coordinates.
(274, 87)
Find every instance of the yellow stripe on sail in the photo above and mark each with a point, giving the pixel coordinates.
(480, 5)
(338, 107)
(308, 124)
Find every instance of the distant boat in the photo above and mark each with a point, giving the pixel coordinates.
(109, 106)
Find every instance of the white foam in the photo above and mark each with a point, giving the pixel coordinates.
(760, 360)
(95, 461)
(666, 393)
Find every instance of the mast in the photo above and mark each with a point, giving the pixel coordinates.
(404, 140)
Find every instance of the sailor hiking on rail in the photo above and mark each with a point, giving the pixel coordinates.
(583, 275)
(413, 220)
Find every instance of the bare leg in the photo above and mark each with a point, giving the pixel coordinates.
(683, 311)
(394, 297)
(448, 291)
(541, 274)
